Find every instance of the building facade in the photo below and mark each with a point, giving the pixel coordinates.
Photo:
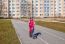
(11, 8)
(0, 7)
(14, 8)
(26, 8)
(48, 8)
(35, 8)
(38, 8)
(5, 8)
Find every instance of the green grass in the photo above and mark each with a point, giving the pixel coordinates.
(53, 25)
(7, 33)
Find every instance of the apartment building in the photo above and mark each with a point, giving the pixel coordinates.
(38, 8)
(0, 6)
(59, 8)
(26, 8)
(35, 8)
(4, 8)
(14, 8)
(48, 8)
(41, 8)
(52, 8)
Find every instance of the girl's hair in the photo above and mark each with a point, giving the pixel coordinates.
(31, 17)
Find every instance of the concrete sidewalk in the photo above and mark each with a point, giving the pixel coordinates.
(48, 36)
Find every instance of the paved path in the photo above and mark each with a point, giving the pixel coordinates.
(48, 36)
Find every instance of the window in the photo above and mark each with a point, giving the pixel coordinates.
(29, 4)
(47, 14)
(47, 10)
(17, 10)
(47, 1)
(17, 4)
(17, 0)
(13, 0)
(51, 14)
(59, 10)
(59, 4)
(9, 14)
(40, 10)
(40, 7)
(36, 1)
(51, 1)
(33, 11)
(5, 14)
(55, 4)
(36, 8)
(41, 4)
(17, 14)
(59, 13)
(59, 7)
(36, 11)
(55, 1)
(44, 10)
(44, 7)
(13, 14)
(5, 11)
(41, 14)
(9, 1)
(51, 8)
(13, 4)
(9, 11)
(17, 7)
(44, 4)
(32, 1)
(32, 8)
(5, 8)
(9, 4)
(55, 8)
(36, 4)
(47, 4)
(36, 14)
(13, 11)
(47, 7)
(13, 7)
(51, 4)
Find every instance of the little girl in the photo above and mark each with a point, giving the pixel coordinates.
(31, 26)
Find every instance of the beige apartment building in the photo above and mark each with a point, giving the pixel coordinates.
(0, 6)
(14, 8)
(38, 8)
(5, 8)
(35, 8)
(11, 8)
(26, 8)
(48, 8)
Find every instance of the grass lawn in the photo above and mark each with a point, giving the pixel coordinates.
(53, 25)
(7, 33)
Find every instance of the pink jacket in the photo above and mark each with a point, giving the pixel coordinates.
(31, 24)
